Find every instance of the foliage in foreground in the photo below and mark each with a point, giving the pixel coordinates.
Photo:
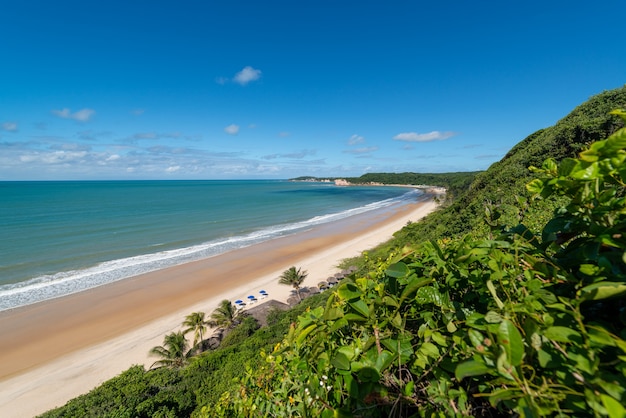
(182, 392)
(516, 322)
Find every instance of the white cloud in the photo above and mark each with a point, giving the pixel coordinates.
(55, 157)
(247, 75)
(365, 150)
(172, 169)
(232, 129)
(9, 126)
(82, 115)
(292, 155)
(430, 136)
(355, 139)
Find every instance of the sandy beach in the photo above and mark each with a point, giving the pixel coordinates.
(54, 351)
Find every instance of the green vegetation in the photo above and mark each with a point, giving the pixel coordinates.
(293, 277)
(509, 300)
(524, 323)
(174, 352)
(178, 392)
(455, 183)
(196, 323)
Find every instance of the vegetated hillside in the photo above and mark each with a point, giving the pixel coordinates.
(513, 322)
(535, 323)
(504, 181)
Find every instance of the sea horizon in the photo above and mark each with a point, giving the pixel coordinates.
(62, 237)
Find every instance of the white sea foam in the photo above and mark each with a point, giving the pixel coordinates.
(64, 283)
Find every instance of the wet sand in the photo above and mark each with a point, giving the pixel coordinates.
(54, 351)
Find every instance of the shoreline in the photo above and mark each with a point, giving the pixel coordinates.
(99, 333)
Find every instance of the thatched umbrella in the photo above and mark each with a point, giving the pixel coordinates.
(293, 301)
(322, 285)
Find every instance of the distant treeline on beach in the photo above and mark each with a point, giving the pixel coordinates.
(452, 182)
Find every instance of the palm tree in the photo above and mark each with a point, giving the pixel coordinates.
(174, 352)
(195, 322)
(293, 277)
(225, 316)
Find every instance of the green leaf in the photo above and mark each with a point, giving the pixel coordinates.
(342, 358)
(352, 317)
(590, 155)
(439, 339)
(613, 407)
(348, 291)
(589, 172)
(430, 350)
(368, 374)
(535, 186)
(409, 388)
(492, 290)
(471, 368)
(451, 327)
(566, 166)
(603, 290)
(398, 270)
(338, 324)
(615, 142)
(549, 165)
(391, 301)
(384, 360)
(493, 317)
(544, 357)
(361, 307)
(414, 284)
(331, 314)
(476, 338)
(397, 321)
(510, 338)
(305, 333)
(589, 269)
(562, 334)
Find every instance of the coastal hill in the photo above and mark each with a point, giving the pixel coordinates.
(508, 300)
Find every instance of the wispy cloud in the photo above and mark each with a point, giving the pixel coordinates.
(427, 137)
(232, 129)
(355, 139)
(293, 155)
(151, 136)
(360, 151)
(247, 75)
(9, 126)
(82, 115)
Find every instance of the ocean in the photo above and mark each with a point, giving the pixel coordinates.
(62, 237)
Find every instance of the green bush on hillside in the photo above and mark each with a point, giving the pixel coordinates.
(524, 322)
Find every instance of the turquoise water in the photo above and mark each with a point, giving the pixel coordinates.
(58, 238)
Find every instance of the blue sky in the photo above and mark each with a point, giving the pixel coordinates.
(278, 89)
